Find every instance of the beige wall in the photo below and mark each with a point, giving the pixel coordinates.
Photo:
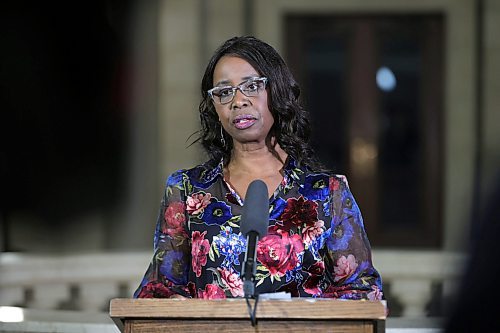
(132, 225)
(491, 95)
(179, 73)
(183, 33)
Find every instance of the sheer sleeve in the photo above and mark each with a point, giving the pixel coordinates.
(168, 272)
(348, 262)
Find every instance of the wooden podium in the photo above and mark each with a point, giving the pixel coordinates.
(231, 315)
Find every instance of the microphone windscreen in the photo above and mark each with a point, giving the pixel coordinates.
(255, 216)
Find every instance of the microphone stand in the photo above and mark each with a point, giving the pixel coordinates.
(248, 273)
(251, 311)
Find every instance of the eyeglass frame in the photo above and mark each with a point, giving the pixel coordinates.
(238, 87)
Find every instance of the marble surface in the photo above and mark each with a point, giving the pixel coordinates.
(61, 322)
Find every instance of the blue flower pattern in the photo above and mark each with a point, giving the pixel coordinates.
(217, 212)
(230, 245)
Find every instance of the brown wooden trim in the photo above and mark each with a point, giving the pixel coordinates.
(313, 309)
(203, 326)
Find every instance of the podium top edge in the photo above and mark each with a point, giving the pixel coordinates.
(295, 308)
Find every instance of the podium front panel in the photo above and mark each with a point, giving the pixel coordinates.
(295, 315)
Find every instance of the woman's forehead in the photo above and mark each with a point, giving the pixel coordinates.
(233, 70)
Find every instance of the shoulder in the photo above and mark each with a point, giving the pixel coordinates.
(338, 182)
(202, 176)
(324, 179)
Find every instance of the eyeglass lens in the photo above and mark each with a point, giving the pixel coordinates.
(250, 88)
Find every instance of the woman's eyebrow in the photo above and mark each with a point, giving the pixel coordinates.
(227, 82)
(249, 77)
(223, 82)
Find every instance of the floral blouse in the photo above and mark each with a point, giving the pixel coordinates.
(316, 244)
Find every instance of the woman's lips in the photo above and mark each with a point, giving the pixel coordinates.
(244, 121)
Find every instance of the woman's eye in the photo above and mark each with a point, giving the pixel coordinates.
(253, 86)
(225, 92)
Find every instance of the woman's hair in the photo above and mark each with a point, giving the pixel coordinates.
(291, 126)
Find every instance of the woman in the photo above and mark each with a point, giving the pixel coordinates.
(253, 127)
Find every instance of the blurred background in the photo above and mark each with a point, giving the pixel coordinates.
(99, 98)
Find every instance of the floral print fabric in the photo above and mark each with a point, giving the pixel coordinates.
(316, 244)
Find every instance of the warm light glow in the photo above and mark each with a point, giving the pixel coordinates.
(10, 314)
(364, 156)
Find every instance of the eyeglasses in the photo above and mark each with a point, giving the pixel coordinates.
(250, 88)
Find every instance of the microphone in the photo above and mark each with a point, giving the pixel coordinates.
(254, 223)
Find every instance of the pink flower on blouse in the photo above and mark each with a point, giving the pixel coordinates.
(310, 233)
(334, 184)
(232, 281)
(174, 220)
(212, 291)
(375, 294)
(278, 251)
(197, 202)
(199, 250)
(345, 267)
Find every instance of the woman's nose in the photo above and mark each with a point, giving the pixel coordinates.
(239, 100)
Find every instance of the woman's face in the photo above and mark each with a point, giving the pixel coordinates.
(247, 119)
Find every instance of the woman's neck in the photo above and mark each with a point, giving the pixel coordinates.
(246, 165)
(256, 160)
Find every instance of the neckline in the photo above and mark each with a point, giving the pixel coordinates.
(287, 166)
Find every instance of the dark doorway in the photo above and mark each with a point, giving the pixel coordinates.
(373, 85)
